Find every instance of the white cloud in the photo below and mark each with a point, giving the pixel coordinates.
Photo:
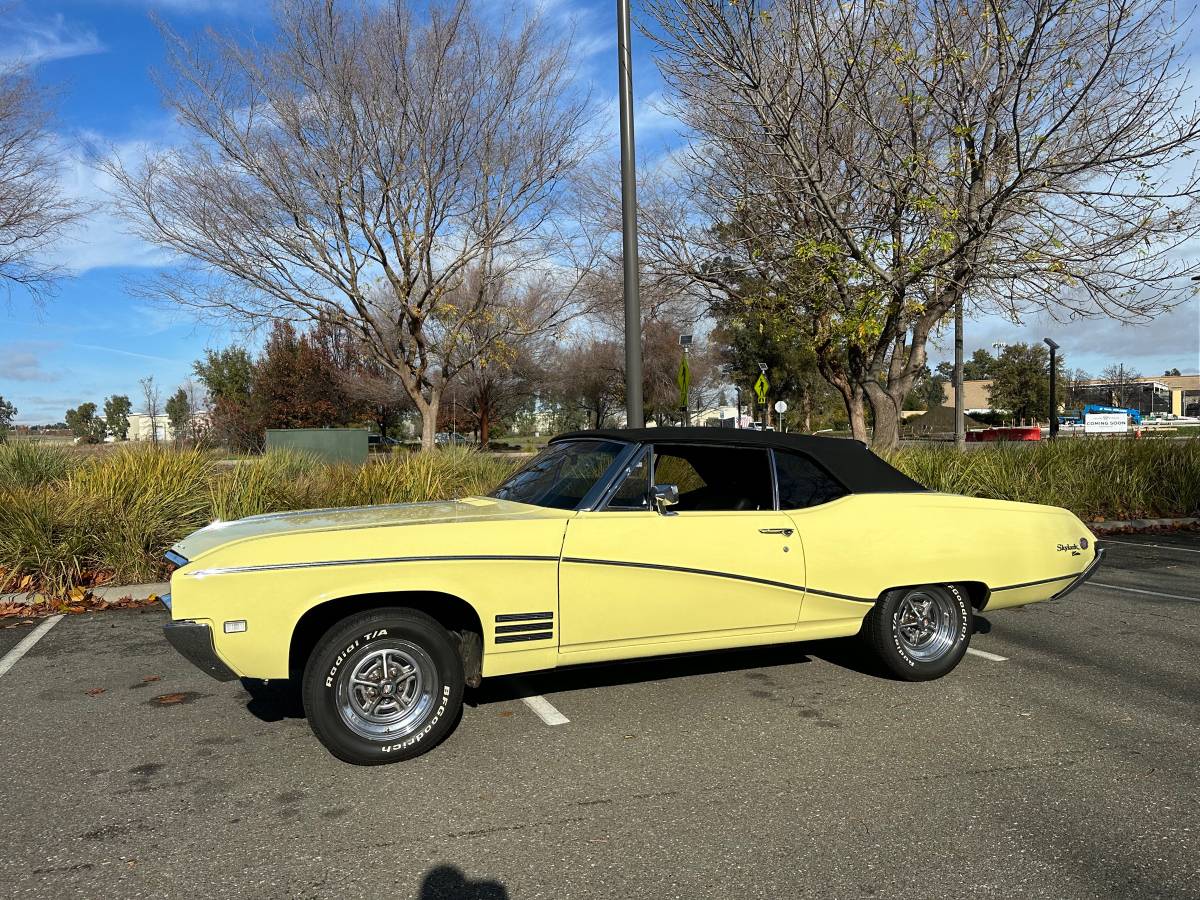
(102, 239)
(33, 41)
(20, 362)
(1170, 340)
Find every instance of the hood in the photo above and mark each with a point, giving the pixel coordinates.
(220, 534)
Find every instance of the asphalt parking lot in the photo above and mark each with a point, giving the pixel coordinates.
(1066, 769)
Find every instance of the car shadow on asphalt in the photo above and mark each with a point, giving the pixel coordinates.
(847, 653)
(274, 701)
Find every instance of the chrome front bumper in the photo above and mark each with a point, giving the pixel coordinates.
(194, 642)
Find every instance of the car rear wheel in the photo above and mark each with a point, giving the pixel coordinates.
(383, 686)
(920, 633)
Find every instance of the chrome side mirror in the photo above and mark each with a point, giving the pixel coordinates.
(665, 496)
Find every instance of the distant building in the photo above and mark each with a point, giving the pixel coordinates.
(143, 428)
(1177, 394)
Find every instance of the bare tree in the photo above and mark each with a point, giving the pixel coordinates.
(588, 377)
(904, 156)
(33, 209)
(152, 397)
(360, 167)
(1121, 381)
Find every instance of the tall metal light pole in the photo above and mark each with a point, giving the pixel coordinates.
(960, 423)
(1053, 387)
(634, 417)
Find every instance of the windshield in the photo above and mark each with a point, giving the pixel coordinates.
(561, 475)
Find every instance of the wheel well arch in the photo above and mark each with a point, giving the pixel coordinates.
(455, 614)
(977, 592)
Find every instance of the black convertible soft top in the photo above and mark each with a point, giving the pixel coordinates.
(849, 461)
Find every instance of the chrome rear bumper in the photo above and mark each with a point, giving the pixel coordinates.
(1083, 576)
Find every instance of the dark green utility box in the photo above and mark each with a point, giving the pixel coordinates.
(335, 445)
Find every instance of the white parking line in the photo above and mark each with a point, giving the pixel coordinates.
(545, 710)
(1156, 546)
(26, 644)
(994, 657)
(1117, 587)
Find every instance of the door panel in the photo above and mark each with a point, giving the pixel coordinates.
(640, 577)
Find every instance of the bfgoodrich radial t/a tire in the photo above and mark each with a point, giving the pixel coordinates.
(383, 686)
(920, 633)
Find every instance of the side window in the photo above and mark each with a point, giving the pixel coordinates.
(715, 478)
(802, 483)
(634, 490)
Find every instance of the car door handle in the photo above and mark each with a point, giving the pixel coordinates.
(786, 532)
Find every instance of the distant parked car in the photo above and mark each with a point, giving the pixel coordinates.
(381, 444)
(450, 439)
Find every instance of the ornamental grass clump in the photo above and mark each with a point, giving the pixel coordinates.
(276, 481)
(411, 478)
(1095, 479)
(45, 542)
(138, 502)
(33, 464)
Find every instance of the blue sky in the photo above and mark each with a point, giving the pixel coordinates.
(96, 337)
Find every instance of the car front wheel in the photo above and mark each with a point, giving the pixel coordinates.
(383, 686)
(920, 633)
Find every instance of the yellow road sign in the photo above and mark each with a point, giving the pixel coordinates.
(684, 380)
(761, 387)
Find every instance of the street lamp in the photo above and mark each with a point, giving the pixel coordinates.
(634, 416)
(1053, 388)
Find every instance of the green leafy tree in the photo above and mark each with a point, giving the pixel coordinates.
(929, 391)
(1021, 381)
(755, 324)
(179, 414)
(227, 376)
(116, 415)
(85, 424)
(296, 385)
(8, 412)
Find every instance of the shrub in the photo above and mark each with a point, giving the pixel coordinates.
(31, 463)
(1112, 479)
(409, 478)
(44, 541)
(272, 482)
(139, 501)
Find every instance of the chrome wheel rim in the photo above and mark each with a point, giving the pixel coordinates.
(385, 690)
(925, 625)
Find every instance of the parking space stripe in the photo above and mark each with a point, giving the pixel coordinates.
(26, 644)
(1107, 541)
(994, 657)
(545, 710)
(1117, 587)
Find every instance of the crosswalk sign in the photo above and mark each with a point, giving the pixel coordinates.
(684, 380)
(761, 387)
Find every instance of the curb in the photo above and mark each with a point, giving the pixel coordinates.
(1133, 526)
(108, 592)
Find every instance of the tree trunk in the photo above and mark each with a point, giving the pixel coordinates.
(429, 419)
(886, 403)
(852, 397)
(485, 423)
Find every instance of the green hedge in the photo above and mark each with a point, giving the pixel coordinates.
(67, 521)
(1095, 479)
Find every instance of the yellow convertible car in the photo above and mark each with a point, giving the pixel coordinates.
(607, 545)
